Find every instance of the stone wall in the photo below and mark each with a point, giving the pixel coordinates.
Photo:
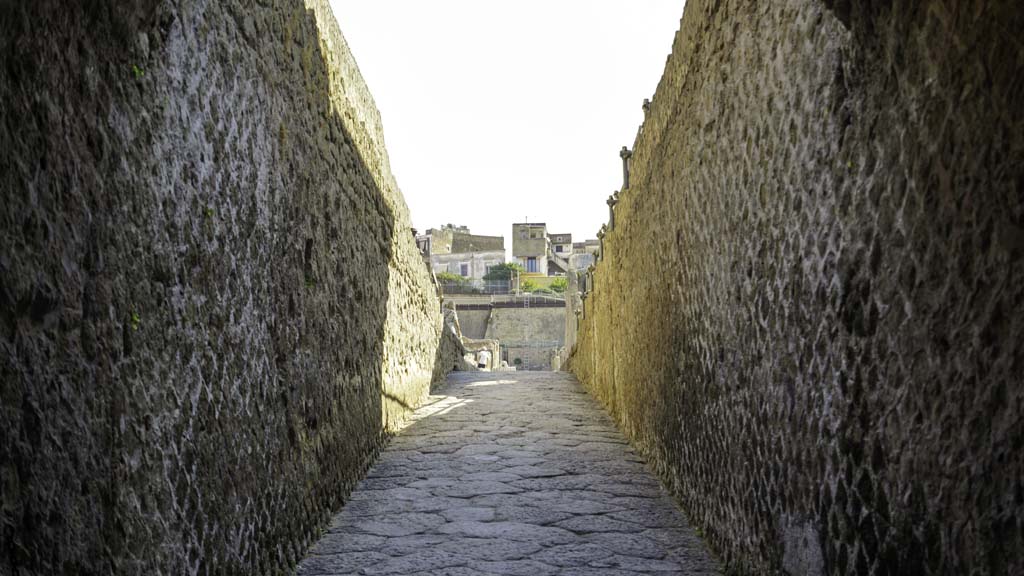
(474, 322)
(530, 334)
(463, 243)
(822, 353)
(211, 304)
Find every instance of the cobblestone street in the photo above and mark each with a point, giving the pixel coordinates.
(509, 473)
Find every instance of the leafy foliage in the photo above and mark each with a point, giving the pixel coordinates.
(503, 271)
(451, 278)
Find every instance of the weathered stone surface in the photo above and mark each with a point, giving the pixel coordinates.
(598, 523)
(808, 314)
(492, 549)
(468, 514)
(570, 555)
(516, 568)
(211, 304)
(569, 526)
(342, 563)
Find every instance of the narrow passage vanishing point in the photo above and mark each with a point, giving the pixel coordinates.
(509, 473)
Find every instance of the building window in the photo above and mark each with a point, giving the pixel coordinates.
(558, 248)
(531, 264)
(464, 269)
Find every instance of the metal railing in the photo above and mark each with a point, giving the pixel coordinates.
(476, 286)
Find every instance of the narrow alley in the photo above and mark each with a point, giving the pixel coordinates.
(509, 473)
(720, 287)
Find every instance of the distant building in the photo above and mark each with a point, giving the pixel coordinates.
(530, 247)
(584, 254)
(561, 244)
(546, 254)
(455, 250)
(589, 247)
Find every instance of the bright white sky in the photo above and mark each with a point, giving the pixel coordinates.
(502, 111)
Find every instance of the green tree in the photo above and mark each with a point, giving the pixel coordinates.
(503, 271)
(559, 285)
(527, 285)
(450, 278)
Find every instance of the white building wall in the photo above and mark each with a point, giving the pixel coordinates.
(542, 264)
(476, 262)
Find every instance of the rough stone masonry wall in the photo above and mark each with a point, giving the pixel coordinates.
(531, 335)
(211, 304)
(809, 313)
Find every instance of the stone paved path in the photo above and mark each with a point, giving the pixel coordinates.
(509, 473)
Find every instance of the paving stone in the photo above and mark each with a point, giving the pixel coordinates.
(573, 501)
(516, 568)
(346, 563)
(402, 524)
(641, 490)
(492, 549)
(534, 471)
(522, 453)
(474, 514)
(377, 506)
(455, 571)
(520, 531)
(596, 523)
(527, 476)
(384, 483)
(482, 458)
(530, 515)
(437, 504)
(650, 516)
(640, 545)
(464, 489)
(592, 571)
(636, 564)
(341, 543)
(499, 500)
(403, 545)
(425, 559)
(504, 476)
(513, 461)
(569, 555)
(390, 494)
(593, 495)
(563, 482)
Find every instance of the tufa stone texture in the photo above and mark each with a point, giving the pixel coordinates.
(809, 312)
(212, 309)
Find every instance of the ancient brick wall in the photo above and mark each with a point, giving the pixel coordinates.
(529, 335)
(809, 311)
(474, 322)
(211, 304)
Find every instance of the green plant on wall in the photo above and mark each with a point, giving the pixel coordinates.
(527, 285)
(503, 271)
(559, 285)
(450, 278)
